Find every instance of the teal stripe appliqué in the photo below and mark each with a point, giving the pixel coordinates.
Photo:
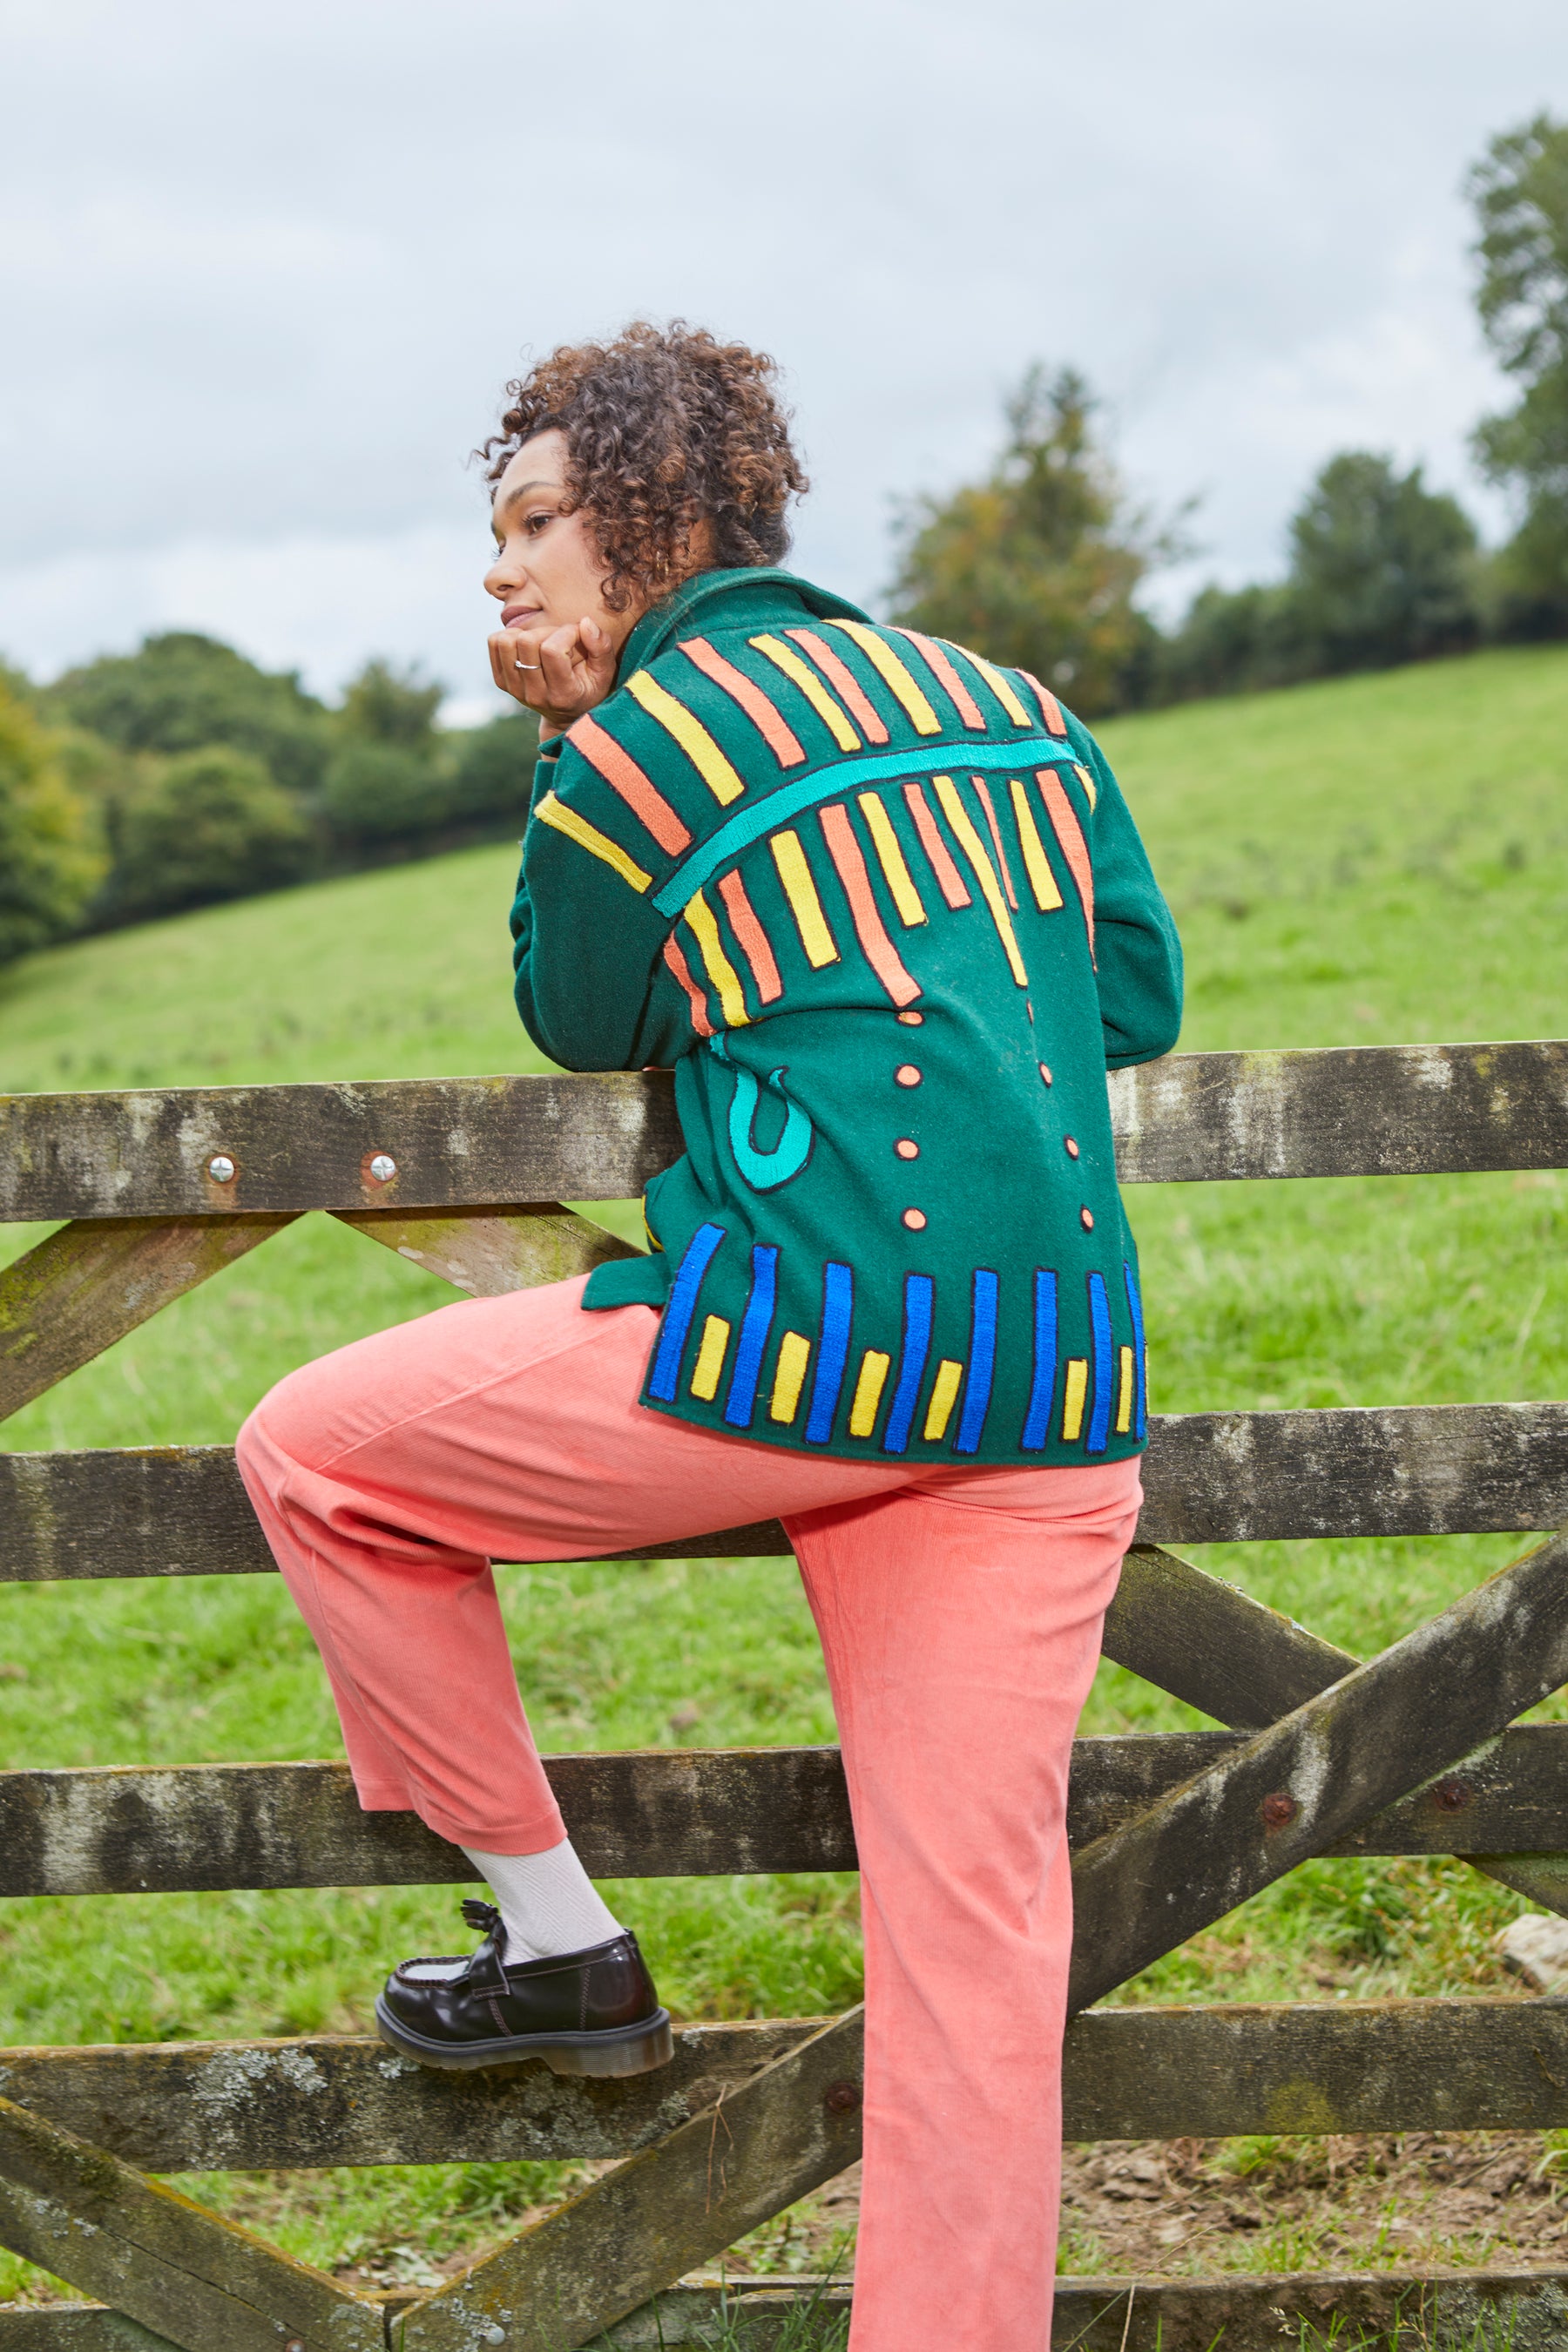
(847, 775)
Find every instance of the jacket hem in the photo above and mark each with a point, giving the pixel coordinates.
(989, 1455)
(641, 1281)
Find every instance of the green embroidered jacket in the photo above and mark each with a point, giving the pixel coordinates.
(882, 907)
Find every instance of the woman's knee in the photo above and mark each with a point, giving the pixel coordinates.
(283, 1430)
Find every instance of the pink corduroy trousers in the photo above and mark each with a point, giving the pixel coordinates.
(960, 1613)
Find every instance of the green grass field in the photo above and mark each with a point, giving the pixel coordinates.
(1381, 859)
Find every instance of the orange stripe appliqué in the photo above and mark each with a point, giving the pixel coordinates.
(881, 952)
(950, 881)
(841, 676)
(1073, 849)
(624, 776)
(936, 661)
(751, 938)
(765, 716)
(682, 971)
(979, 783)
(1050, 708)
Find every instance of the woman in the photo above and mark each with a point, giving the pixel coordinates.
(881, 908)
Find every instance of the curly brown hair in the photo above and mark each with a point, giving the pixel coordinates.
(665, 428)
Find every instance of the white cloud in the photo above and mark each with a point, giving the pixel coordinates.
(264, 272)
(317, 605)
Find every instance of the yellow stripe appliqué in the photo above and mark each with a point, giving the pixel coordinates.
(1125, 1394)
(868, 1392)
(720, 971)
(943, 1397)
(1072, 1402)
(789, 1376)
(1087, 781)
(804, 905)
(975, 849)
(1036, 865)
(1002, 688)
(561, 819)
(828, 710)
(690, 734)
(710, 1359)
(881, 656)
(890, 858)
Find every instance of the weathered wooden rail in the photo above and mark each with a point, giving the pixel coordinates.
(1418, 1752)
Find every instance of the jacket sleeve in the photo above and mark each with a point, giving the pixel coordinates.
(1138, 953)
(587, 944)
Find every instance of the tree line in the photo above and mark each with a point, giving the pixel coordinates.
(1042, 563)
(140, 784)
(143, 783)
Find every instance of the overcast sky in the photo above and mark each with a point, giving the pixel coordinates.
(265, 272)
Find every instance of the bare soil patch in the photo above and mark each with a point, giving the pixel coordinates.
(1419, 2200)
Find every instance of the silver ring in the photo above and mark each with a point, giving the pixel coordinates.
(516, 665)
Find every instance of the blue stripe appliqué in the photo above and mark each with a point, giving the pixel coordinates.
(832, 1351)
(981, 1361)
(919, 1293)
(680, 1310)
(845, 775)
(755, 1325)
(1042, 1387)
(1140, 1356)
(1099, 1324)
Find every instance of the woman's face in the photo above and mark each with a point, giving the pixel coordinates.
(548, 573)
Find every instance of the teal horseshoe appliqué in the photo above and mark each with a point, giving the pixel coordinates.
(765, 1171)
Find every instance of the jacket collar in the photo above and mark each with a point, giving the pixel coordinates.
(754, 597)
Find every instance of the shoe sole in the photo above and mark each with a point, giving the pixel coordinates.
(617, 2050)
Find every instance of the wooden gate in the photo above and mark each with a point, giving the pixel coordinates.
(1408, 1753)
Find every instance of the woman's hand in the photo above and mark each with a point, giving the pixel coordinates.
(560, 673)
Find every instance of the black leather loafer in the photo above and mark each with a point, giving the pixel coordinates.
(590, 2012)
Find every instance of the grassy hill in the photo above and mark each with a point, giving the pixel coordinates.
(1373, 860)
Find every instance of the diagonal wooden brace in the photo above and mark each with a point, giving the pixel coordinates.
(488, 1251)
(87, 1285)
(90, 1283)
(1245, 1664)
(1205, 1642)
(198, 2281)
(1320, 1772)
(635, 2231)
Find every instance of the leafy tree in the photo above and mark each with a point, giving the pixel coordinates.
(389, 706)
(379, 791)
(1520, 191)
(1232, 638)
(492, 769)
(204, 826)
(1038, 565)
(182, 691)
(388, 781)
(51, 860)
(1383, 570)
(396, 777)
(100, 773)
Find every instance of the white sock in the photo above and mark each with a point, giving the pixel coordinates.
(548, 1901)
